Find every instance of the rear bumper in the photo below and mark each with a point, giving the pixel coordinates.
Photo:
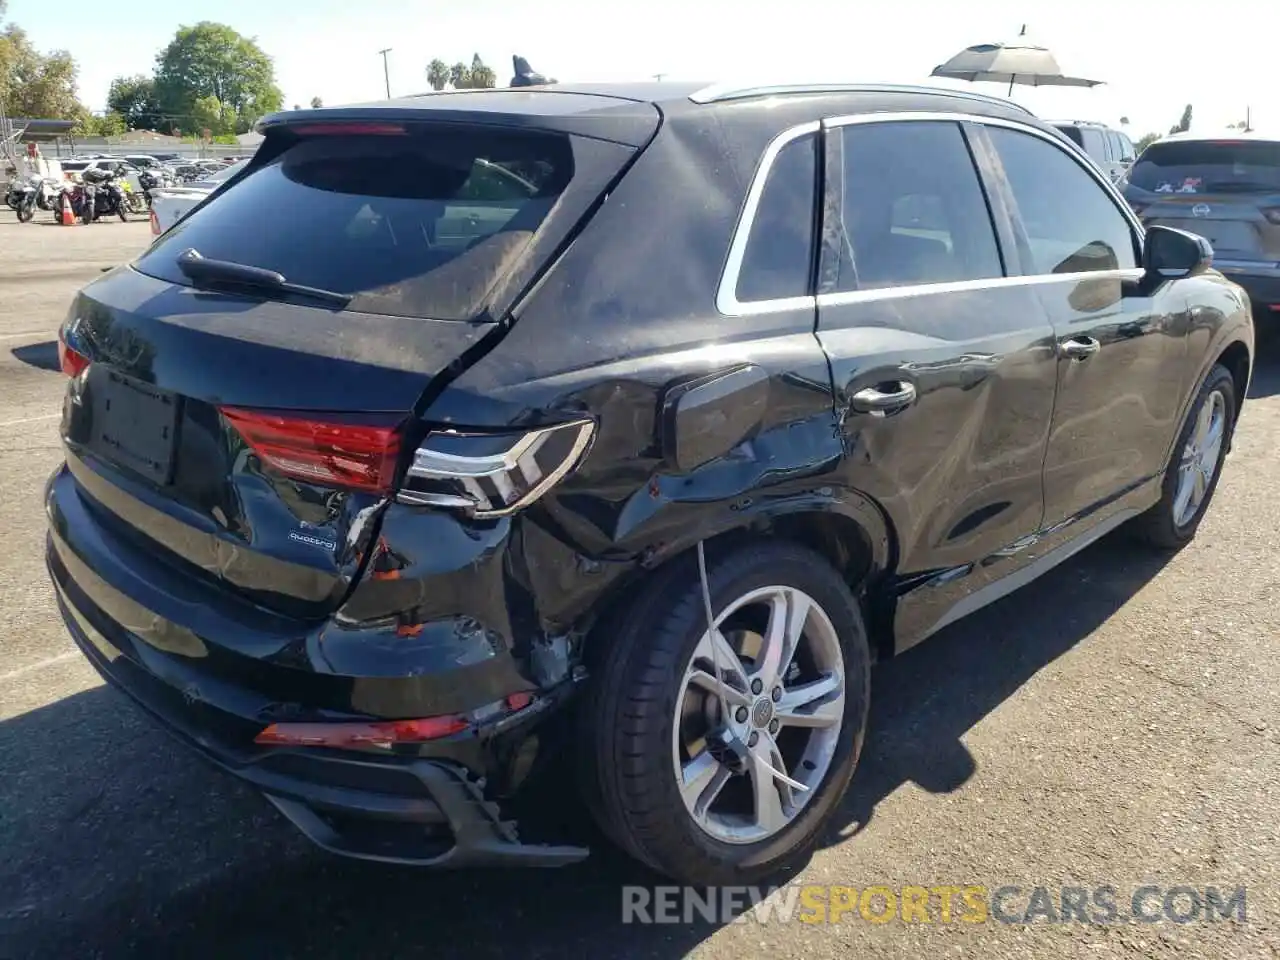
(425, 806)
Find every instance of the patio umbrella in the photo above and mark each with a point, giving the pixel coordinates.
(1020, 61)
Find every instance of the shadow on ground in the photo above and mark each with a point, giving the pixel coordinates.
(119, 844)
(43, 355)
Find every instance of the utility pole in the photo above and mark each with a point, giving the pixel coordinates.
(385, 74)
(659, 76)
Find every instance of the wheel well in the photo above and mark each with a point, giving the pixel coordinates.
(1236, 359)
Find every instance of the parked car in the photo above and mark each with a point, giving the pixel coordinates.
(1225, 188)
(441, 480)
(170, 204)
(1111, 150)
(75, 169)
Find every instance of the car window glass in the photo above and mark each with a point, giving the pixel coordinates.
(914, 211)
(1094, 144)
(420, 225)
(778, 259)
(1117, 149)
(1071, 222)
(1126, 148)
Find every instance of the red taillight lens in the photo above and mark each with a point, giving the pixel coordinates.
(355, 456)
(72, 362)
(155, 224)
(1272, 214)
(376, 734)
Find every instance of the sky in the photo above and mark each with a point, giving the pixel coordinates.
(1154, 58)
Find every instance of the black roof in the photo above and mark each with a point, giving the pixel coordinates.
(621, 110)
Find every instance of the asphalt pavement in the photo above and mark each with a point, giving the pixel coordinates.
(1117, 723)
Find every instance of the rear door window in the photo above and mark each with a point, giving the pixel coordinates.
(914, 211)
(421, 223)
(1209, 166)
(1072, 225)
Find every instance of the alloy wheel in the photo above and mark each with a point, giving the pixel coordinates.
(1200, 458)
(781, 676)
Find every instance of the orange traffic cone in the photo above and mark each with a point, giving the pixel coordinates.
(68, 215)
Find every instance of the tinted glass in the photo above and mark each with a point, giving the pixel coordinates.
(422, 224)
(1220, 166)
(778, 260)
(1094, 143)
(1126, 147)
(1071, 222)
(1072, 133)
(914, 210)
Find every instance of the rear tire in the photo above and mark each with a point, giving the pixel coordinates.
(25, 213)
(123, 213)
(635, 758)
(1172, 523)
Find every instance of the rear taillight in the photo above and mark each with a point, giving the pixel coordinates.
(155, 223)
(1272, 214)
(492, 474)
(71, 361)
(353, 455)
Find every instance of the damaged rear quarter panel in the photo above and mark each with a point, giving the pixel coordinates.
(626, 316)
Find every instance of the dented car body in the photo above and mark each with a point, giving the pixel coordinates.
(351, 533)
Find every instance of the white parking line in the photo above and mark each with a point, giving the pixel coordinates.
(31, 420)
(14, 423)
(39, 665)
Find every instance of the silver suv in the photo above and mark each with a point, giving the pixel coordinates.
(1225, 188)
(1111, 150)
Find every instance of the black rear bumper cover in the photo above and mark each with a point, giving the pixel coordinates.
(405, 810)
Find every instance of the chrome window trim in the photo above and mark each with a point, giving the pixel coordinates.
(843, 297)
(722, 92)
(728, 304)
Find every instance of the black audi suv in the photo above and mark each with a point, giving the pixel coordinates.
(616, 427)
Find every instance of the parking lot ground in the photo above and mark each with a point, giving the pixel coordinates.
(1117, 723)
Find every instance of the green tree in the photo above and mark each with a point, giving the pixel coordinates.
(316, 103)
(480, 76)
(134, 99)
(211, 62)
(209, 113)
(1124, 121)
(437, 74)
(33, 84)
(1146, 141)
(459, 77)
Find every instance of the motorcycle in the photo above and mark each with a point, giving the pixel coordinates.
(72, 196)
(22, 198)
(103, 196)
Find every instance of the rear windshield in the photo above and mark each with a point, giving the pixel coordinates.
(73, 166)
(418, 224)
(1209, 167)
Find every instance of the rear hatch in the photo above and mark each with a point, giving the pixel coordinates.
(1225, 190)
(242, 395)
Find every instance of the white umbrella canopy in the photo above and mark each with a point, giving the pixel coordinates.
(1019, 61)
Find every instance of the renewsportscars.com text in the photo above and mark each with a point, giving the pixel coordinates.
(968, 903)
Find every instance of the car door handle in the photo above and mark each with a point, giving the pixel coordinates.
(1079, 348)
(884, 398)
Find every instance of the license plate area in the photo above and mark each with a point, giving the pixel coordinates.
(132, 424)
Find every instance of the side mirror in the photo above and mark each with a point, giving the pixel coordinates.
(1171, 254)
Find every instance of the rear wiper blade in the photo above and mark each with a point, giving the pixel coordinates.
(204, 270)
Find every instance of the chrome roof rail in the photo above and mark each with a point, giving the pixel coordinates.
(721, 92)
